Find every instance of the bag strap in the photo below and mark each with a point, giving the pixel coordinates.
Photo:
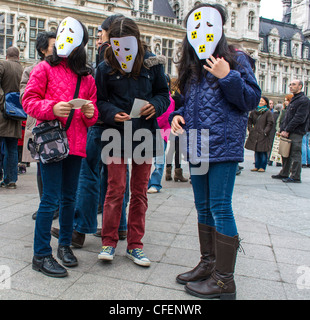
(76, 94)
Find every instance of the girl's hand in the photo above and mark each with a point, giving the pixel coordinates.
(62, 109)
(219, 67)
(148, 111)
(121, 117)
(88, 110)
(175, 125)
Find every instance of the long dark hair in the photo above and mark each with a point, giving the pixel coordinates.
(125, 27)
(189, 65)
(77, 60)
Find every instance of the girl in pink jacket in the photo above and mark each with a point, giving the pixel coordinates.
(51, 86)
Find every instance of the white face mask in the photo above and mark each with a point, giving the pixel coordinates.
(125, 50)
(69, 36)
(204, 31)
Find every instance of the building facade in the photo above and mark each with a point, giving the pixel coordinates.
(280, 48)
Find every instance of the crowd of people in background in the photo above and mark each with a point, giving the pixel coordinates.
(79, 187)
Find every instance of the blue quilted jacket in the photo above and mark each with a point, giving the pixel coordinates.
(222, 110)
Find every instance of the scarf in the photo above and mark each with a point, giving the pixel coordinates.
(261, 109)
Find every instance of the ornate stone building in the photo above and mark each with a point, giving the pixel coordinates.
(160, 22)
(284, 50)
(281, 48)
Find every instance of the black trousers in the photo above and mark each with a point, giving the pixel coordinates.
(292, 164)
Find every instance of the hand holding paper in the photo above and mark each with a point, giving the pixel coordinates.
(88, 110)
(137, 108)
(148, 111)
(78, 103)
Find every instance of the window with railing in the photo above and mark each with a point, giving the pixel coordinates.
(6, 31)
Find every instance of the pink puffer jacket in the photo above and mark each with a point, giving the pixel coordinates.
(163, 122)
(49, 85)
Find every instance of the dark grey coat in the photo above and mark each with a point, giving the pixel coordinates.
(259, 126)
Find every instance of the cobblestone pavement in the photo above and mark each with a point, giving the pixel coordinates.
(273, 220)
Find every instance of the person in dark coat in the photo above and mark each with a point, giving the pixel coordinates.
(140, 75)
(294, 127)
(10, 130)
(260, 124)
(218, 89)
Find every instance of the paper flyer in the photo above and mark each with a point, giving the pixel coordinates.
(136, 108)
(78, 103)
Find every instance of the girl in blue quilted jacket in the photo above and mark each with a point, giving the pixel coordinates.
(219, 89)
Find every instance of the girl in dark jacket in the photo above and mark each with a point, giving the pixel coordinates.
(219, 89)
(129, 72)
(260, 124)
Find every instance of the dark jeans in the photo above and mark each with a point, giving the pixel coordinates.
(261, 160)
(213, 196)
(60, 181)
(93, 186)
(10, 159)
(293, 162)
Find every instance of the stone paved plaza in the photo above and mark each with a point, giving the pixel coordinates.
(273, 220)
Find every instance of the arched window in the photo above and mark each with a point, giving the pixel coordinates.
(176, 10)
(251, 20)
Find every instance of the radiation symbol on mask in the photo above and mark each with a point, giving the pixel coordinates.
(194, 35)
(202, 49)
(197, 16)
(70, 40)
(116, 53)
(210, 37)
(116, 43)
(61, 46)
(129, 58)
(124, 65)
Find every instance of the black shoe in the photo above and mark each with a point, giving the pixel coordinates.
(278, 177)
(49, 266)
(291, 180)
(65, 254)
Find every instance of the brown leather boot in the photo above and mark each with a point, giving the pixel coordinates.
(221, 283)
(178, 175)
(168, 174)
(78, 238)
(207, 262)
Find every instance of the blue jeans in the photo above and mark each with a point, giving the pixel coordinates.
(60, 181)
(261, 160)
(159, 163)
(92, 186)
(10, 159)
(306, 149)
(213, 196)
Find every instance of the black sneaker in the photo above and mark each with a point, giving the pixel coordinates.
(65, 254)
(49, 266)
(291, 180)
(279, 177)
